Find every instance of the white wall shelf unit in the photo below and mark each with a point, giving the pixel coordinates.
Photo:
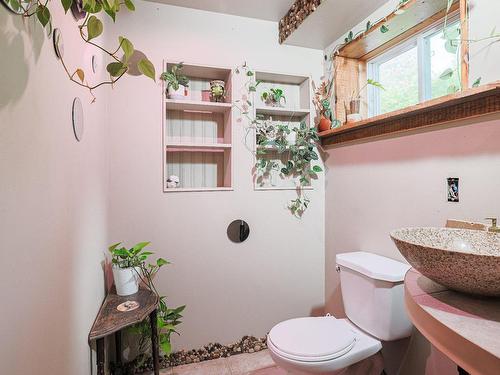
(298, 108)
(197, 134)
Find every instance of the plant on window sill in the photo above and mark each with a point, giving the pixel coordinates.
(90, 28)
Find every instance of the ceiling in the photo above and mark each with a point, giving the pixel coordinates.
(330, 21)
(270, 10)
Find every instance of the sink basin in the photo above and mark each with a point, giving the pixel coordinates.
(463, 260)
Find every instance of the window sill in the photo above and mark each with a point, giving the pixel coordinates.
(450, 109)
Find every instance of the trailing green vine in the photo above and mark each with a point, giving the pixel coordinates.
(89, 29)
(296, 157)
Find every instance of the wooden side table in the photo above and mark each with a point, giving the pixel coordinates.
(110, 321)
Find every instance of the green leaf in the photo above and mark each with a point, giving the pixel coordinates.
(127, 47)
(14, 4)
(147, 68)
(66, 5)
(447, 74)
(375, 83)
(166, 347)
(249, 73)
(161, 262)
(317, 169)
(130, 5)
(384, 29)
(114, 246)
(94, 27)
(43, 15)
(141, 245)
(116, 69)
(477, 82)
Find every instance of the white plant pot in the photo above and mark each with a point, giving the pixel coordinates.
(179, 94)
(126, 280)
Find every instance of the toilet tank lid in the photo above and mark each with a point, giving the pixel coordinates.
(374, 266)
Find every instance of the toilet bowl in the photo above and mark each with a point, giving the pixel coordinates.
(372, 292)
(323, 345)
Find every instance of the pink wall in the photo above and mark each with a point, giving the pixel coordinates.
(375, 187)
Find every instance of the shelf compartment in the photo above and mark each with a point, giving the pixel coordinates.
(194, 106)
(454, 108)
(200, 169)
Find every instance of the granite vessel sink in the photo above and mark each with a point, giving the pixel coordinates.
(463, 260)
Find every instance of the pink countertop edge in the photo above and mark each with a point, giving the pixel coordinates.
(463, 327)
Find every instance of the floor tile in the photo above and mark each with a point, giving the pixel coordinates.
(245, 363)
(213, 367)
(269, 371)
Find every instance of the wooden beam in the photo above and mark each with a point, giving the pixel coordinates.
(468, 104)
(297, 13)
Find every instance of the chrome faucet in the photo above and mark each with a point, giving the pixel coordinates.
(493, 228)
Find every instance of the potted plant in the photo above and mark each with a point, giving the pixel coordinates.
(217, 90)
(321, 101)
(177, 83)
(355, 100)
(126, 266)
(274, 97)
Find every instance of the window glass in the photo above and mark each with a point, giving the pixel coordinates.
(399, 77)
(444, 61)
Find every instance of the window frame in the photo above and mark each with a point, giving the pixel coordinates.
(421, 41)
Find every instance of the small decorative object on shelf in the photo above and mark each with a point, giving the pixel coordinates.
(177, 83)
(173, 182)
(274, 97)
(217, 91)
(206, 95)
(353, 112)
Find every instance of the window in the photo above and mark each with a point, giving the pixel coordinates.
(424, 67)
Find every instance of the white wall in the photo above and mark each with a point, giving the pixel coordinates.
(230, 289)
(375, 187)
(53, 194)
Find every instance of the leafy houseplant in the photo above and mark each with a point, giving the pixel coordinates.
(126, 267)
(321, 99)
(355, 101)
(175, 79)
(89, 28)
(168, 319)
(274, 97)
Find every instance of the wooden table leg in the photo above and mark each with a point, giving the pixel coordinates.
(154, 342)
(118, 348)
(100, 356)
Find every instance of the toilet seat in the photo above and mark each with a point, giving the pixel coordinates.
(363, 347)
(312, 339)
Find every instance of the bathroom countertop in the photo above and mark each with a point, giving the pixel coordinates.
(463, 327)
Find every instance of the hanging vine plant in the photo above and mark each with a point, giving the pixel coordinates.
(297, 153)
(89, 28)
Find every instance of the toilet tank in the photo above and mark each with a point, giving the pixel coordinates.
(373, 294)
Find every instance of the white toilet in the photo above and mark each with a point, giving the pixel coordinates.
(372, 291)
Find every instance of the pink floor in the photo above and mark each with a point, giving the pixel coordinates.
(259, 363)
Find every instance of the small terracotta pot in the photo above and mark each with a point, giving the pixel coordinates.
(205, 95)
(324, 124)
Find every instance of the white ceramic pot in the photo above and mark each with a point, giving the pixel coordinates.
(180, 93)
(126, 280)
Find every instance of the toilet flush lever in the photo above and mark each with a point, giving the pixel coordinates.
(337, 268)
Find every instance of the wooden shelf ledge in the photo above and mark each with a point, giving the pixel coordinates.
(471, 103)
